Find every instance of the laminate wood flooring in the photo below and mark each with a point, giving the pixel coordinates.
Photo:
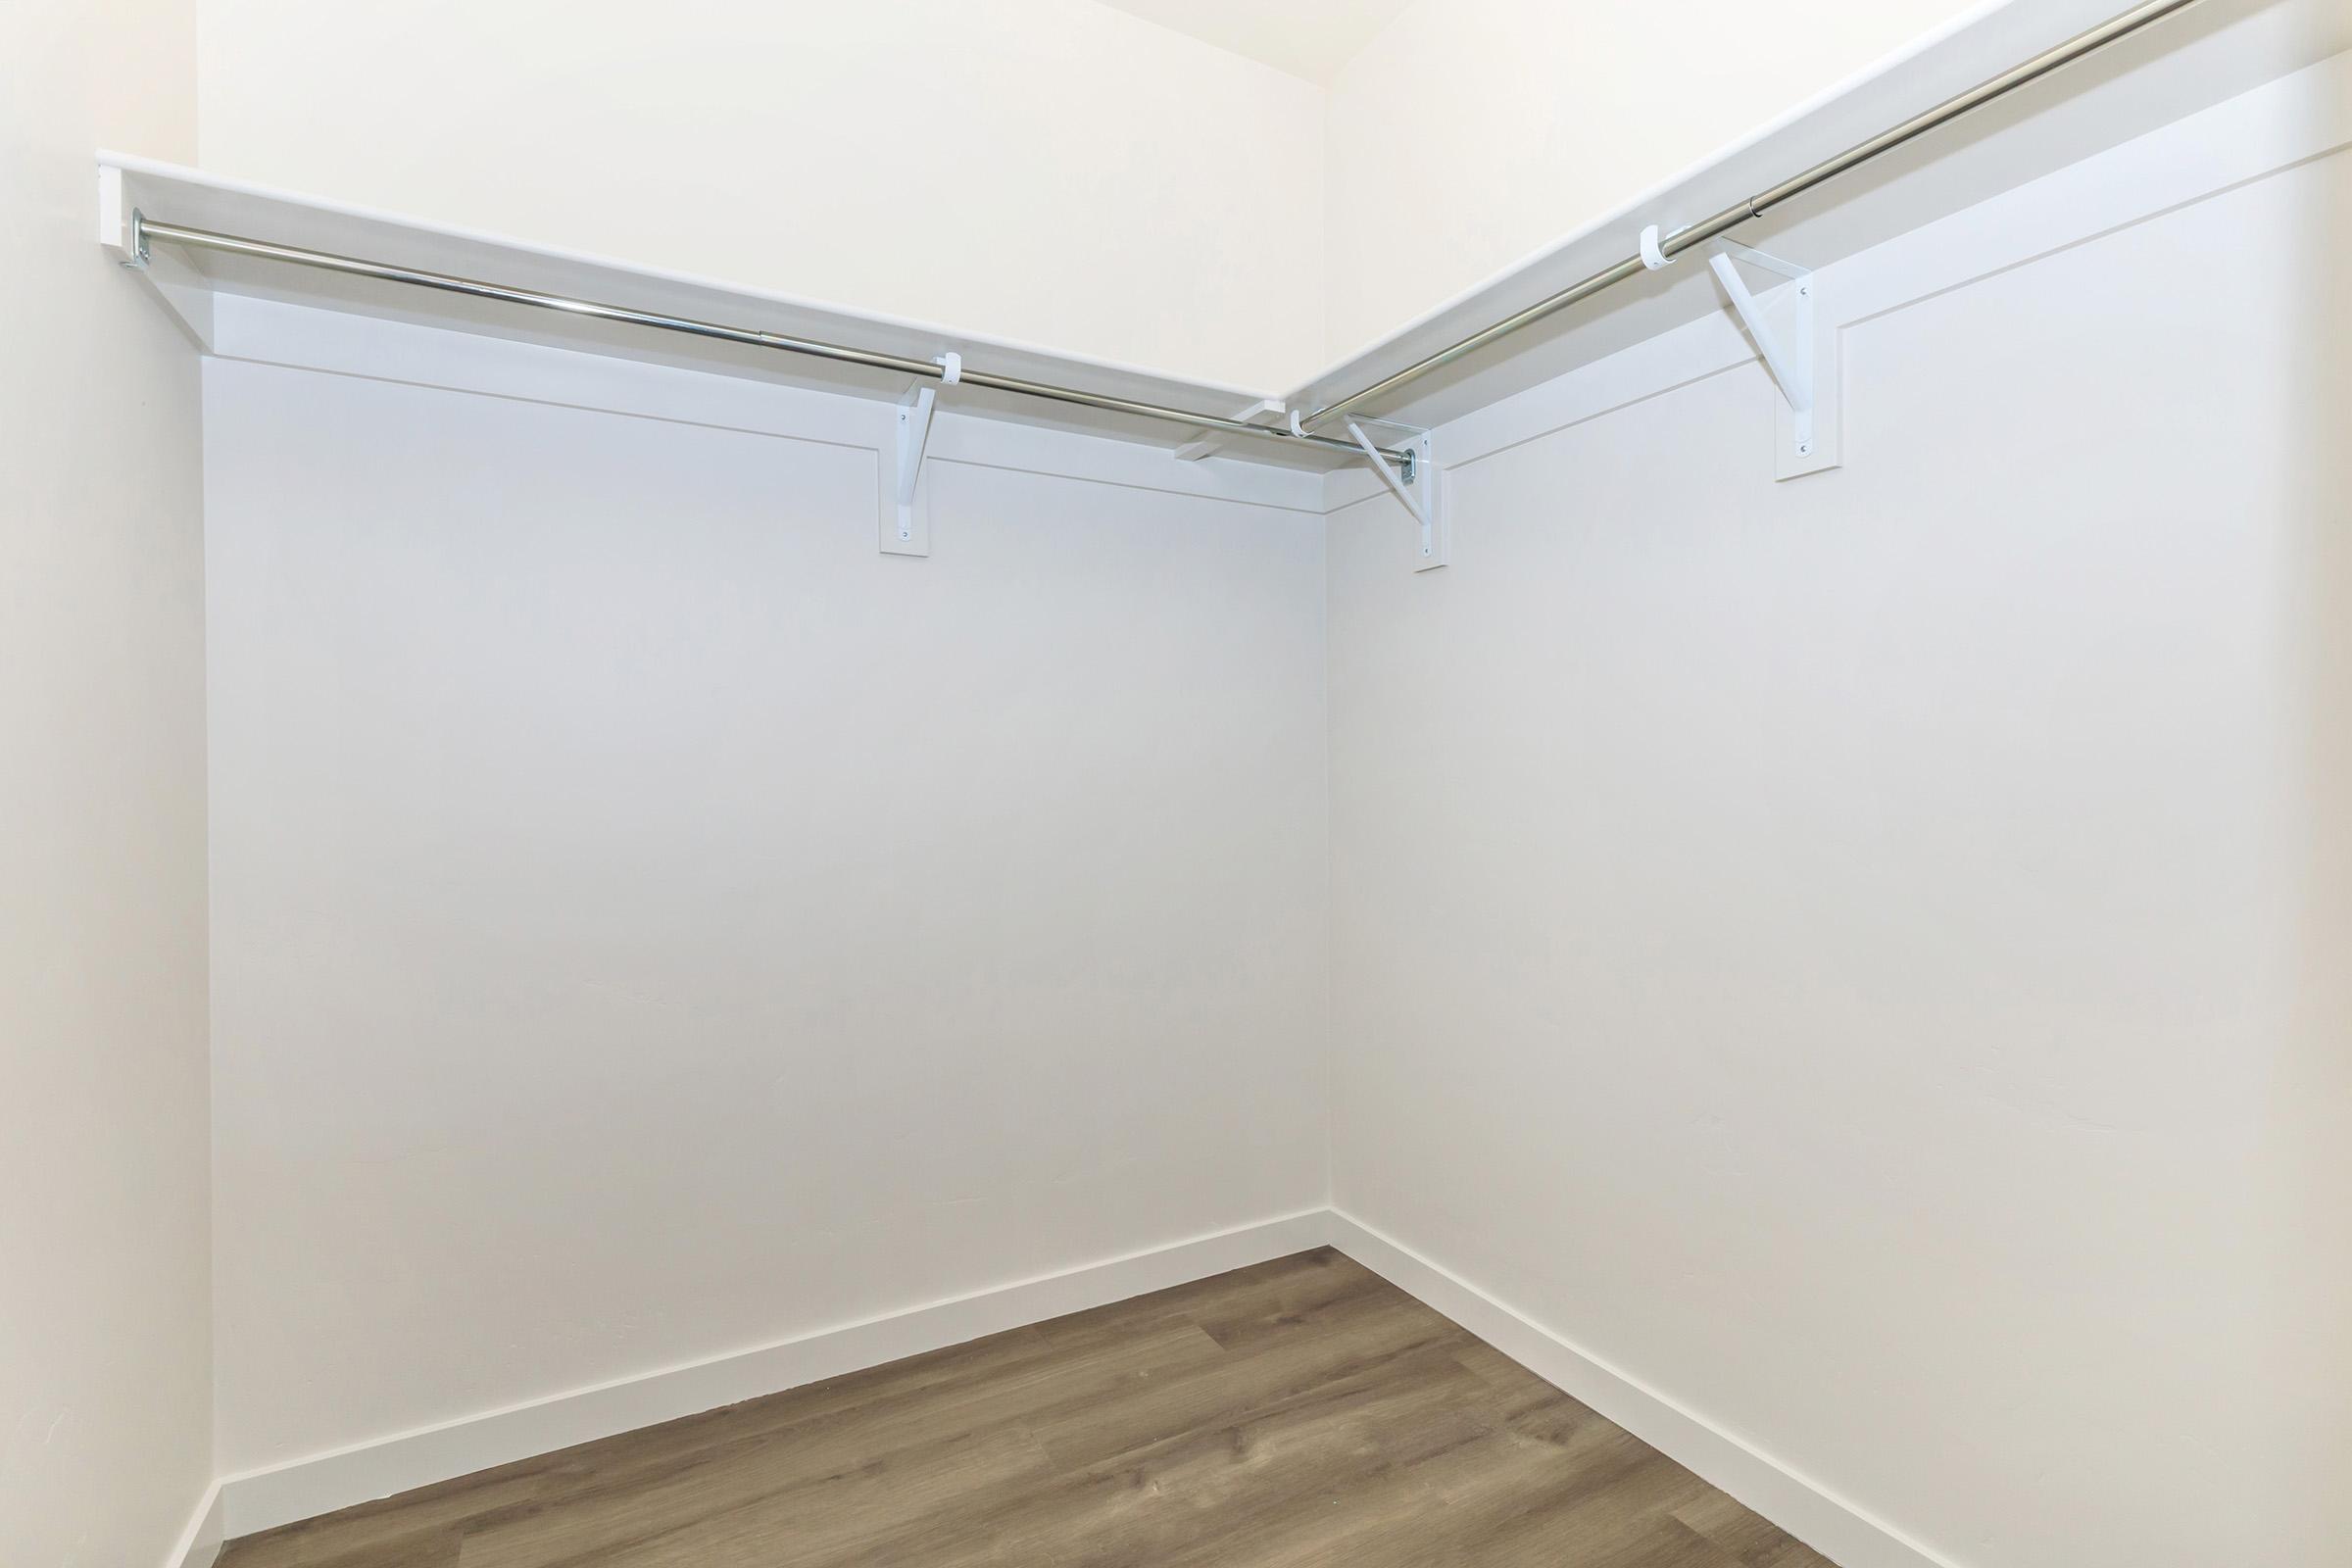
(1304, 1413)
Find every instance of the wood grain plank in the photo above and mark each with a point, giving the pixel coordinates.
(1302, 1413)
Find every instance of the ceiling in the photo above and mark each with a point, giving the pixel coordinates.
(1309, 38)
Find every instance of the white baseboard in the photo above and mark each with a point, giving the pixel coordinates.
(305, 1489)
(1807, 1511)
(200, 1543)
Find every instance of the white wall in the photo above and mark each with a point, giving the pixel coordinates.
(1524, 120)
(1864, 957)
(1048, 171)
(105, 1376)
(649, 924)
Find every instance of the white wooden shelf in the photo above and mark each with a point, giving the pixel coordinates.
(186, 281)
(2191, 61)
(2200, 56)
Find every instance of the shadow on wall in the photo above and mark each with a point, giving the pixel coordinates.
(2311, 1088)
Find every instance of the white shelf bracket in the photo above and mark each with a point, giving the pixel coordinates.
(906, 509)
(1208, 443)
(1787, 327)
(1416, 487)
(1653, 254)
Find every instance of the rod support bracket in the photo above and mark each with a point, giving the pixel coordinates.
(906, 525)
(162, 269)
(1787, 327)
(1415, 481)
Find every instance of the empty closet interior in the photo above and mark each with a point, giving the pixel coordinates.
(1091, 782)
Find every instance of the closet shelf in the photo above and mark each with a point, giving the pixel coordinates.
(2197, 57)
(2187, 60)
(189, 277)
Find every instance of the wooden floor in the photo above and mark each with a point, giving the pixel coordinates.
(1301, 1413)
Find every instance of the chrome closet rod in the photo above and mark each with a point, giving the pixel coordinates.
(1756, 205)
(145, 229)
(1682, 239)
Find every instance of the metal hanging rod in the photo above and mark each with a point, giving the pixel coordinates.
(145, 229)
(1699, 234)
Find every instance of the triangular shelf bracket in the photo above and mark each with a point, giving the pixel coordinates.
(1416, 485)
(905, 528)
(1800, 350)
